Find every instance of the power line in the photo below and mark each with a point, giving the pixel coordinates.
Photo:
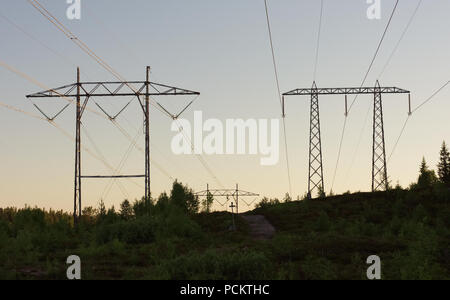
(362, 84)
(318, 40)
(100, 154)
(279, 96)
(361, 134)
(93, 55)
(339, 153)
(413, 111)
(108, 188)
(376, 52)
(17, 27)
(43, 11)
(381, 74)
(18, 110)
(36, 82)
(55, 125)
(99, 60)
(399, 137)
(431, 97)
(401, 38)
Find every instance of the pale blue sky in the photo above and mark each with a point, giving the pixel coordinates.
(221, 49)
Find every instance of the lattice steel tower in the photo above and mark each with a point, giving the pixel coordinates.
(83, 92)
(379, 167)
(315, 175)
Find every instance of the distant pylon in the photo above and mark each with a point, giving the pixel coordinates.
(379, 168)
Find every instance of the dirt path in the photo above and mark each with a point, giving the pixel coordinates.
(260, 228)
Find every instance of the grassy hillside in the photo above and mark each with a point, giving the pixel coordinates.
(329, 238)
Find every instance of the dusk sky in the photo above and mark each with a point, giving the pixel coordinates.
(221, 49)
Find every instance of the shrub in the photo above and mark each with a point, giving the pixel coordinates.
(173, 222)
(266, 203)
(323, 223)
(184, 198)
(142, 207)
(318, 268)
(137, 231)
(29, 219)
(126, 211)
(216, 265)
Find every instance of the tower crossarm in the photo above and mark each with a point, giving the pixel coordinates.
(345, 91)
(225, 193)
(111, 89)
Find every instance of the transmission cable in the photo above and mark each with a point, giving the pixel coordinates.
(279, 95)
(318, 40)
(412, 112)
(376, 52)
(381, 74)
(362, 84)
(91, 53)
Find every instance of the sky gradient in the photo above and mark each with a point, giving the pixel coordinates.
(221, 49)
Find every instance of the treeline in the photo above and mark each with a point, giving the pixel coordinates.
(167, 238)
(428, 177)
(31, 236)
(181, 198)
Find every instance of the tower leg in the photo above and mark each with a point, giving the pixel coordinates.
(379, 168)
(147, 137)
(77, 189)
(315, 177)
(237, 199)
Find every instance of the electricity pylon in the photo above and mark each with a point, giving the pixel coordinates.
(142, 90)
(379, 168)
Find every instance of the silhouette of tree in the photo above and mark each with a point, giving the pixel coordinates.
(427, 177)
(287, 198)
(207, 203)
(142, 207)
(444, 165)
(101, 208)
(184, 198)
(126, 211)
(321, 193)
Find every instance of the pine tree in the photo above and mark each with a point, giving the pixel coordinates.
(444, 165)
(321, 193)
(427, 177)
(101, 208)
(287, 198)
(208, 202)
(126, 211)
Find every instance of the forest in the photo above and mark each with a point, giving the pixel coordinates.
(176, 236)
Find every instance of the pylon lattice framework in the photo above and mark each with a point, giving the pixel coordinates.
(379, 166)
(315, 174)
(89, 90)
(235, 194)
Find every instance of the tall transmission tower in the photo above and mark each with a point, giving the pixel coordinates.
(379, 169)
(315, 174)
(82, 92)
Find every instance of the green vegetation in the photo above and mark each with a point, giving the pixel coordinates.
(167, 238)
